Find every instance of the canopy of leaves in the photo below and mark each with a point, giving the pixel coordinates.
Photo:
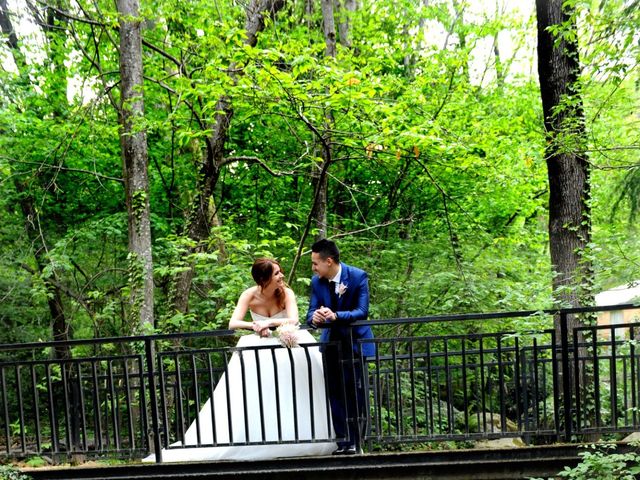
(437, 186)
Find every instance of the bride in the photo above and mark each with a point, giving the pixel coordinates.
(276, 404)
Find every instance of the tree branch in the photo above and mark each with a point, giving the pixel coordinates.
(372, 227)
(64, 169)
(251, 160)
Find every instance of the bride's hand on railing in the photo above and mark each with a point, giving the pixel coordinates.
(261, 328)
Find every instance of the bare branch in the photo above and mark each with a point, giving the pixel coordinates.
(67, 15)
(90, 21)
(453, 238)
(188, 104)
(63, 288)
(361, 230)
(63, 169)
(372, 227)
(251, 160)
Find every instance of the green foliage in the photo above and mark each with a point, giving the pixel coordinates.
(437, 187)
(602, 463)
(8, 472)
(36, 462)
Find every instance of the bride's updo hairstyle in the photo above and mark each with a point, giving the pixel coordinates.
(262, 271)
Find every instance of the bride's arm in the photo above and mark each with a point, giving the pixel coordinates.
(237, 318)
(291, 307)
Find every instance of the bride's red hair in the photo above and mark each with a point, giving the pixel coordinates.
(262, 272)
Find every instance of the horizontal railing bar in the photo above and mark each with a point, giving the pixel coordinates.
(388, 321)
(458, 336)
(455, 437)
(494, 315)
(53, 361)
(458, 353)
(250, 443)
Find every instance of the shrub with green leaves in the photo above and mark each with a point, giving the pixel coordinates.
(8, 472)
(601, 462)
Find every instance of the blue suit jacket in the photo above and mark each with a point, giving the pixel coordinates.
(352, 305)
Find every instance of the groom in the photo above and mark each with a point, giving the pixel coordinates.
(340, 296)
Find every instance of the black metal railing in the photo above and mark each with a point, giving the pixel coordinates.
(459, 387)
(130, 396)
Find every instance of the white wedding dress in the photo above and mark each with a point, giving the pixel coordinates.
(280, 409)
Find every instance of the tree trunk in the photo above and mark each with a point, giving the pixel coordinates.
(12, 38)
(567, 166)
(319, 182)
(459, 8)
(133, 141)
(344, 9)
(569, 187)
(498, 62)
(59, 326)
(202, 216)
(55, 31)
(329, 27)
(422, 24)
(496, 53)
(319, 170)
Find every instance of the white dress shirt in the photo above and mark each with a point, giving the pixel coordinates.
(336, 279)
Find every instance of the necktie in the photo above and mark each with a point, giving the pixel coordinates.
(334, 297)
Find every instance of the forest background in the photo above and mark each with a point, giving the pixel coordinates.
(411, 132)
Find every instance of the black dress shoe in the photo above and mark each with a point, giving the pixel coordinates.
(339, 451)
(346, 450)
(350, 450)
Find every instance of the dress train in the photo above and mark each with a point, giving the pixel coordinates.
(274, 395)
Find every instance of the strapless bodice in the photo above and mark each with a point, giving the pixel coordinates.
(257, 316)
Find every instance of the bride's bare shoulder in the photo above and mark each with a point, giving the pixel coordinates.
(249, 294)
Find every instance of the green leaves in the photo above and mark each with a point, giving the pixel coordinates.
(601, 462)
(437, 185)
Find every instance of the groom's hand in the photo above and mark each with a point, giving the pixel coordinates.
(317, 318)
(329, 315)
(322, 315)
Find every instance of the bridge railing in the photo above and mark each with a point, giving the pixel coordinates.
(457, 387)
(504, 384)
(96, 401)
(130, 396)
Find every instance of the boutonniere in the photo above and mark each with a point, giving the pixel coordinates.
(342, 288)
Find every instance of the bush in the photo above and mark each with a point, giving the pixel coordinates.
(8, 472)
(601, 463)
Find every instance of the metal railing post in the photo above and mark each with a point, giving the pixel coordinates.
(356, 391)
(155, 423)
(566, 377)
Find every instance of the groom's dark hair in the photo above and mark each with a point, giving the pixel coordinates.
(326, 249)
